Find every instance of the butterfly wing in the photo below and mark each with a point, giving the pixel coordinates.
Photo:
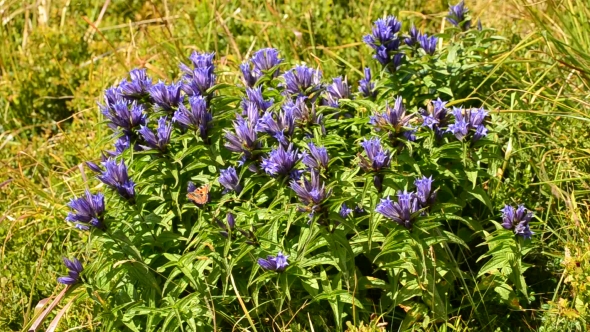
(200, 196)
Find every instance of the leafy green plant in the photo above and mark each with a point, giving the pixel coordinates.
(335, 243)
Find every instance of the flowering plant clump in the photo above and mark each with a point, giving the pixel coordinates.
(284, 197)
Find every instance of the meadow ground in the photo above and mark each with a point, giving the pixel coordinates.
(57, 57)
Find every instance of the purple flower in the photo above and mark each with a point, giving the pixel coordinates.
(138, 87)
(302, 113)
(167, 97)
(202, 79)
(403, 211)
(124, 115)
(336, 91)
(466, 120)
(254, 95)
(247, 75)
(438, 119)
(94, 167)
(123, 143)
(366, 87)
(199, 60)
(229, 179)
(227, 227)
(87, 211)
(115, 176)
(424, 193)
(311, 193)
(345, 211)
(245, 139)
(317, 158)
(385, 42)
(160, 140)
(197, 118)
(281, 162)
(263, 60)
(74, 269)
(301, 80)
(272, 263)
(517, 219)
(458, 16)
(281, 128)
(378, 158)
(384, 32)
(393, 119)
(428, 44)
(412, 38)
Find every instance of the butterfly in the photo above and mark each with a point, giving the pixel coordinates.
(200, 196)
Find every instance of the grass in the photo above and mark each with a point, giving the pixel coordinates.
(57, 56)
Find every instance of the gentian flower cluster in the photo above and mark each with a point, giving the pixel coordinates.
(88, 211)
(245, 139)
(458, 16)
(229, 179)
(201, 78)
(74, 269)
(366, 87)
(121, 114)
(281, 162)
(262, 61)
(311, 193)
(377, 157)
(196, 117)
(302, 80)
(317, 158)
(470, 119)
(394, 120)
(166, 97)
(138, 87)
(403, 211)
(276, 263)
(518, 220)
(160, 139)
(254, 96)
(281, 128)
(384, 40)
(115, 176)
(415, 38)
(304, 115)
(437, 119)
(336, 91)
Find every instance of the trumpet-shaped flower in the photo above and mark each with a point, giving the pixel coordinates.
(139, 85)
(301, 80)
(366, 87)
(88, 211)
(458, 16)
(74, 269)
(276, 263)
(517, 219)
(115, 176)
(167, 97)
(336, 91)
(160, 139)
(195, 118)
(281, 162)
(377, 157)
(317, 158)
(403, 211)
(229, 179)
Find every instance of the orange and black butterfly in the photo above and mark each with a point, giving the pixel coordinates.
(199, 196)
